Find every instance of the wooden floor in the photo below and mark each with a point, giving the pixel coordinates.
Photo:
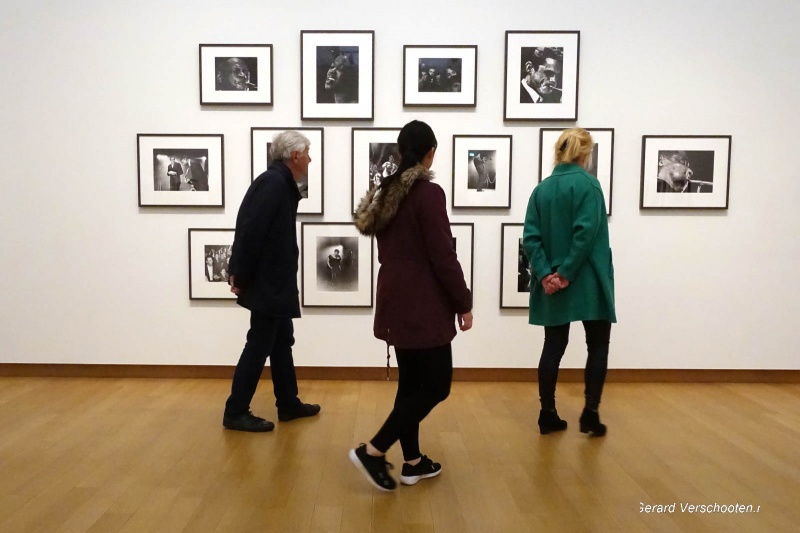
(151, 456)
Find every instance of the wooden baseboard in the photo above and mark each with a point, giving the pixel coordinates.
(379, 373)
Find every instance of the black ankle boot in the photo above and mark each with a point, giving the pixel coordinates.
(550, 422)
(590, 423)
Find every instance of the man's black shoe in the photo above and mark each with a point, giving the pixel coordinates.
(247, 422)
(301, 411)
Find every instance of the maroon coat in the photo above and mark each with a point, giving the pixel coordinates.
(421, 285)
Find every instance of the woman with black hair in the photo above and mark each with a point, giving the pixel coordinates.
(421, 290)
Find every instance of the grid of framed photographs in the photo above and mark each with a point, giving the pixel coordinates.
(337, 83)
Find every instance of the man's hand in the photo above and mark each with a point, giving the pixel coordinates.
(465, 321)
(234, 289)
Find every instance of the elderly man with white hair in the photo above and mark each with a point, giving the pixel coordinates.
(263, 275)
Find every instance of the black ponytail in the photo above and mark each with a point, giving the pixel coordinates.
(414, 141)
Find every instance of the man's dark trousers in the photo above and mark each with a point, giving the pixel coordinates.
(271, 337)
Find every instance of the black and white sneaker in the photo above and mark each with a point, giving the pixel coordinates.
(422, 470)
(376, 469)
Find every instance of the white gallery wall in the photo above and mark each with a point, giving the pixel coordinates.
(86, 276)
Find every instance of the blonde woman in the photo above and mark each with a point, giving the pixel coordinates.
(566, 241)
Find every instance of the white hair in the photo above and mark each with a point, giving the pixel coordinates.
(283, 144)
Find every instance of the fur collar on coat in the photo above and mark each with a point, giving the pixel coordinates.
(380, 205)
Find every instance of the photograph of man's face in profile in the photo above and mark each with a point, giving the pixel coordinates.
(682, 171)
(337, 74)
(236, 73)
(541, 75)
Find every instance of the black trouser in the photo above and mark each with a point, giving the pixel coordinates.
(268, 337)
(424, 381)
(598, 334)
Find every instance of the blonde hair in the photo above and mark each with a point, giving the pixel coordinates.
(572, 145)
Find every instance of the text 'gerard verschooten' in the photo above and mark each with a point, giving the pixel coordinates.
(698, 508)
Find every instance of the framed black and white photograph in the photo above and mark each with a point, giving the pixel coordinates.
(209, 255)
(541, 75)
(181, 170)
(685, 171)
(464, 245)
(515, 270)
(440, 75)
(311, 188)
(236, 74)
(482, 171)
(337, 265)
(602, 166)
(337, 75)
(374, 156)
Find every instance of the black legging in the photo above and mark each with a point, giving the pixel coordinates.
(424, 381)
(598, 334)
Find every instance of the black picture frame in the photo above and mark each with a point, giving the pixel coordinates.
(244, 90)
(460, 230)
(361, 168)
(213, 284)
(471, 189)
(201, 180)
(697, 169)
(341, 101)
(460, 66)
(510, 249)
(321, 285)
(523, 51)
(313, 203)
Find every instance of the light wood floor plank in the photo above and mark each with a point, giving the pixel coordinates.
(131, 455)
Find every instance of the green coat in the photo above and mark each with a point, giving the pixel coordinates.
(566, 231)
